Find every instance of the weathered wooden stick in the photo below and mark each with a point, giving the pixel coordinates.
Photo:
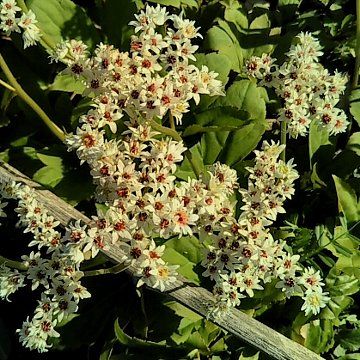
(193, 297)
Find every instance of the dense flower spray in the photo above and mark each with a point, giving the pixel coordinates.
(308, 91)
(52, 267)
(135, 174)
(134, 168)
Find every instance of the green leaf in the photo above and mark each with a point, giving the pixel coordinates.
(254, 357)
(196, 129)
(348, 203)
(174, 3)
(63, 19)
(246, 96)
(185, 170)
(355, 104)
(350, 265)
(354, 143)
(318, 137)
(187, 246)
(115, 16)
(186, 252)
(67, 83)
(135, 342)
(48, 176)
(350, 339)
(226, 44)
(241, 142)
(319, 335)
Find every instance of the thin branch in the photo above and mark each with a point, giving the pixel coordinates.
(23, 95)
(7, 86)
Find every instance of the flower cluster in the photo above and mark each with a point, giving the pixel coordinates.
(156, 77)
(10, 23)
(243, 256)
(135, 179)
(308, 91)
(53, 268)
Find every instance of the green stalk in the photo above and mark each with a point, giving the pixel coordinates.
(165, 130)
(171, 120)
(113, 270)
(283, 140)
(12, 263)
(357, 48)
(23, 95)
(7, 86)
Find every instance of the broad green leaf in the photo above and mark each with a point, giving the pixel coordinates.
(63, 19)
(196, 129)
(185, 170)
(244, 95)
(350, 265)
(67, 83)
(188, 246)
(50, 160)
(254, 357)
(241, 142)
(219, 40)
(183, 311)
(340, 284)
(5, 102)
(355, 104)
(49, 176)
(354, 143)
(318, 136)
(348, 203)
(185, 266)
(174, 3)
(350, 339)
(319, 335)
(115, 16)
(189, 3)
(53, 171)
(260, 22)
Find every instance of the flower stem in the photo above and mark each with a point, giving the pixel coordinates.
(283, 140)
(165, 130)
(23, 95)
(113, 270)
(357, 48)
(171, 120)
(12, 263)
(7, 86)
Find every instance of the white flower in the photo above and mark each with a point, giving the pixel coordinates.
(10, 281)
(314, 301)
(31, 34)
